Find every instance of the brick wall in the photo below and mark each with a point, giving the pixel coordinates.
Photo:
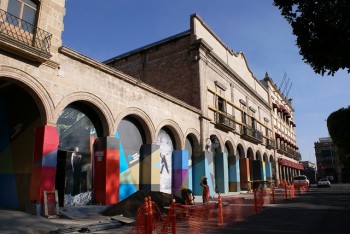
(168, 67)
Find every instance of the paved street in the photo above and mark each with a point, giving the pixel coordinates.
(321, 210)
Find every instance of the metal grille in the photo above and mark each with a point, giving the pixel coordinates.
(24, 32)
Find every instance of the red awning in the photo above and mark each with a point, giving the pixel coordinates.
(285, 162)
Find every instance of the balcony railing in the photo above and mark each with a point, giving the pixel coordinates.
(225, 120)
(251, 134)
(270, 144)
(14, 30)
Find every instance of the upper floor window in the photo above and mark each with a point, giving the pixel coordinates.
(221, 105)
(23, 13)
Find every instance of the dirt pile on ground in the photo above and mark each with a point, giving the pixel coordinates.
(129, 206)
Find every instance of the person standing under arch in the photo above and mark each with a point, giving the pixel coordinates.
(205, 193)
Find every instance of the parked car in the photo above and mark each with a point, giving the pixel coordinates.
(301, 180)
(323, 182)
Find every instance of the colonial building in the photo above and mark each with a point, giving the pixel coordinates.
(283, 121)
(328, 164)
(156, 118)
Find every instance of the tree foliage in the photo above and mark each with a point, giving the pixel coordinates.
(338, 125)
(322, 28)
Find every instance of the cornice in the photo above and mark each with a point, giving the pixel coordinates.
(122, 76)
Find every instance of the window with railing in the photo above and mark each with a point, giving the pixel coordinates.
(222, 117)
(14, 27)
(22, 11)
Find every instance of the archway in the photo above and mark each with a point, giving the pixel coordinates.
(233, 168)
(132, 136)
(19, 118)
(77, 126)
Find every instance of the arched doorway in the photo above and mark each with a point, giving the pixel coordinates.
(233, 168)
(77, 126)
(132, 137)
(19, 118)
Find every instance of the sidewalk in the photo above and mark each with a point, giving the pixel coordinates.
(80, 218)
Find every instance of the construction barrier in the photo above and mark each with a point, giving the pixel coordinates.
(204, 217)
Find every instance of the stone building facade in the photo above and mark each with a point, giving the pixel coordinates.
(161, 117)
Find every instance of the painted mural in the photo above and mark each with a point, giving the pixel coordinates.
(131, 137)
(166, 149)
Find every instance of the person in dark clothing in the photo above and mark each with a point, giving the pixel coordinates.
(187, 195)
(76, 169)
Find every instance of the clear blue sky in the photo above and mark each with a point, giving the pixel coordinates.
(104, 29)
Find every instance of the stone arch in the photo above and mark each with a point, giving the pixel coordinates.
(101, 109)
(258, 155)
(194, 134)
(175, 130)
(265, 158)
(240, 151)
(31, 85)
(143, 119)
(271, 159)
(250, 153)
(218, 137)
(229, 143)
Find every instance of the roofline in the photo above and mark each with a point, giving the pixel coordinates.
(174, 37)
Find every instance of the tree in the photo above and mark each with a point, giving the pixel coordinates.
(322, 28)
(339, 129)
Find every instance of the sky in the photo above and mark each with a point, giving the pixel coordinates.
(104, 29)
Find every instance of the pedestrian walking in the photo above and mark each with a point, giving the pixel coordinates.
(205, 193)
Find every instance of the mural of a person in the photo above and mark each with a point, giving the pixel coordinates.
(76, 169)
(164, 164)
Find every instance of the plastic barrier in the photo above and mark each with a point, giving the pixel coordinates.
(204, 217)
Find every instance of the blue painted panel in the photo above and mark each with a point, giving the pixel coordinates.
(198, 165)
(9, 199)
(180, 170)
(180, 159)
(221, 173)
(125, 190)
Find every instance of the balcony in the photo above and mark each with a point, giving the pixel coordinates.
(22, 38)
(252, 135)
(281, 149)
(270, 144)
(225, 121)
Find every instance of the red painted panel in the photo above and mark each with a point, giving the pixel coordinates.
(244, 167)
(106, 177)
(112, 177)
(43, 177)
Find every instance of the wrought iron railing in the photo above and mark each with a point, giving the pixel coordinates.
(252, 133)
(270, 144)
(24, 32)
(225, 119)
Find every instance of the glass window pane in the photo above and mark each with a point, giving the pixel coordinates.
(14, 7)
(28, 15)
(30, 3)
(28, 19)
